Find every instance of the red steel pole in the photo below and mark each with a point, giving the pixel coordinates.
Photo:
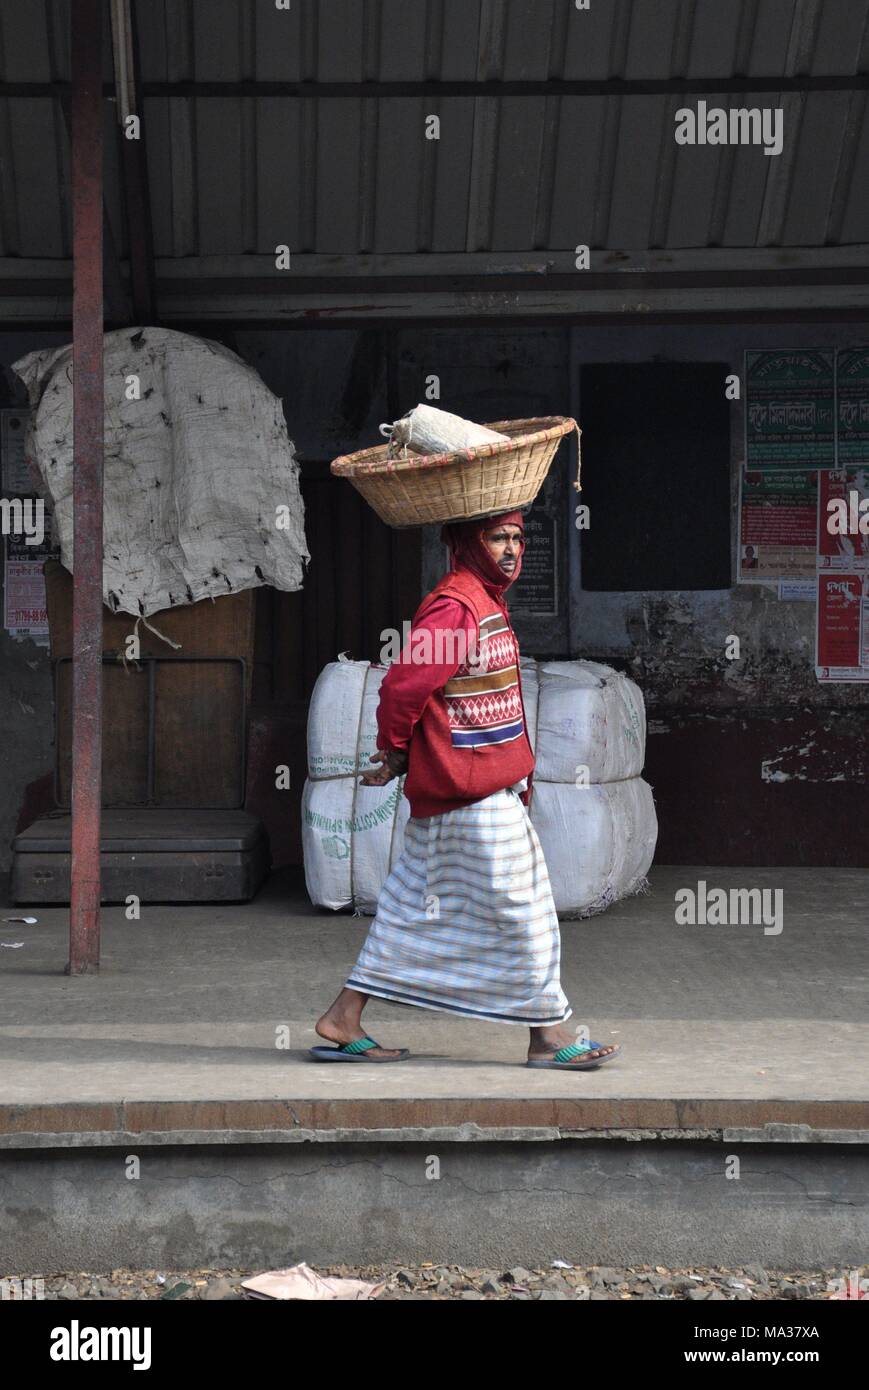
(87, 366)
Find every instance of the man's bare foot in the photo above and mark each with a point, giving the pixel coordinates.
(545, 1042)
(342, 1028)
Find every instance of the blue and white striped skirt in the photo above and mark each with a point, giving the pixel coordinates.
(465, 922)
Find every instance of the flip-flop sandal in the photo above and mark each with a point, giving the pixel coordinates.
(354, 1052)
(560, 1060)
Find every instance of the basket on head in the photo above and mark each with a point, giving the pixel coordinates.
(481, 481)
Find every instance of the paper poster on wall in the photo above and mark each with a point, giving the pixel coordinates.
(798, 590)
(536, 590)
(16, 477)
(777, 526)
(852, 406)
(843, 519)
(24, 605)
(789, 409)
(842, 639)
(24, 610)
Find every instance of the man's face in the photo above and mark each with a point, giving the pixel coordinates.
(504, 543)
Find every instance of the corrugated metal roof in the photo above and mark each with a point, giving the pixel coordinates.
(233, 176)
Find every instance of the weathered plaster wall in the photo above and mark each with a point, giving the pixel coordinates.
(674, 639)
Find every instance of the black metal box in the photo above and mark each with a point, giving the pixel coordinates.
(158, 855)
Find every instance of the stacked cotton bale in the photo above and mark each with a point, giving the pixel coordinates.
(351, 834)
(593, 812)
(591, 808)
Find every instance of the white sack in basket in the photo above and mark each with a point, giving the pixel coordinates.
(426, 430)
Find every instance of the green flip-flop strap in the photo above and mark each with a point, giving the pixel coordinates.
(565, 1054)
(359, 1045)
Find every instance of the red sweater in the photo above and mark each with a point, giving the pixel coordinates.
(463, 725)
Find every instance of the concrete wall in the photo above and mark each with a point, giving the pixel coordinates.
(796, 1206)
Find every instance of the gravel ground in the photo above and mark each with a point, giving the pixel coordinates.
(751, 1282)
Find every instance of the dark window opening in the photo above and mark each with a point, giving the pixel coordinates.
(655, 476)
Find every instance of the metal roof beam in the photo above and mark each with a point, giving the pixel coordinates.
(27, 319)
(590, 281)
(548, 87)
(552, 269)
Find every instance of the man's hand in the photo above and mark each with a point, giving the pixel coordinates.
(393, 764)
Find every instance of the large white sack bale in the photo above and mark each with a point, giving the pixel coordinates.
(584, 715)
(342, 717)
(529, 684)
(598, 841)
(349, 849)
(351, 834)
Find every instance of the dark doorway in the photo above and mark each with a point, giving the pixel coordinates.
(656, 476)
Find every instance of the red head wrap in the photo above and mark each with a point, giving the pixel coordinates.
(468, 550)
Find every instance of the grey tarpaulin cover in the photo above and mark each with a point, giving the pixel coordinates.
(201, 481)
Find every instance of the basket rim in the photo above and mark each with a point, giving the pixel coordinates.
(361, 464)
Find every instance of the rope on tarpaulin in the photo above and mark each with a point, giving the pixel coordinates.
(157, 633)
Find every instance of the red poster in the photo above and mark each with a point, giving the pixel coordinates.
(843, 604)
(846, 545)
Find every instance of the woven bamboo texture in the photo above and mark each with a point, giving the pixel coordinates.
(482, 481)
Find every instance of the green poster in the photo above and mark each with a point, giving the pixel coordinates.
(852, 388)
(776, 487)
(789, 409)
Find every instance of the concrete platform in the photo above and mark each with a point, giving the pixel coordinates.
(736, 1044)
(722, 1027)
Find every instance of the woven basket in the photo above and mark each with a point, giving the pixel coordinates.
(481, 481)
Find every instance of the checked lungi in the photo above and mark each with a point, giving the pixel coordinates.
(465, 922)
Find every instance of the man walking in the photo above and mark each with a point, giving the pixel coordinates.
(465, 923)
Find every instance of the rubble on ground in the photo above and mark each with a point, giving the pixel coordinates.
(559, 1281)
